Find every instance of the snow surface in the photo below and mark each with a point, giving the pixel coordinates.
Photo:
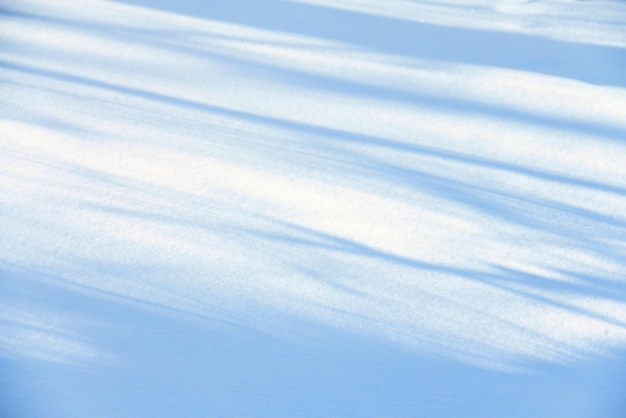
(313, 208)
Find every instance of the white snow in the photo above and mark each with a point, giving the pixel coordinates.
(313, 208)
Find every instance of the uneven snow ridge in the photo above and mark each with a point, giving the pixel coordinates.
(443, 179)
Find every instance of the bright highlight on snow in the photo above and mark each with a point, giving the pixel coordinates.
(313, 208)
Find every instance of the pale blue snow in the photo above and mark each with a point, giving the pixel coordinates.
(313, 208)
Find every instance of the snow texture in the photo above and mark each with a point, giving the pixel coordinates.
(313, 208)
